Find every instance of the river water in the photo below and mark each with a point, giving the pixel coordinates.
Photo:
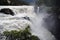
(36, 21)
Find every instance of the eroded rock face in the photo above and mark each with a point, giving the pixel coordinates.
(7, 11)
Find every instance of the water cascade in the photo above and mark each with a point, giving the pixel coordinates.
(36, 22)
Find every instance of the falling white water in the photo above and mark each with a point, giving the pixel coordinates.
(16, 22)
(38, 27)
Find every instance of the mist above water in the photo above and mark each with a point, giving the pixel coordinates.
(39, 25)
(37, 21)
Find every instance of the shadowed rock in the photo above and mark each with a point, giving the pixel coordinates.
(7, 11)
(27, 18)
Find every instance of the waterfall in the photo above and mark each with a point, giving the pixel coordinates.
(39, 26)
(36, 22)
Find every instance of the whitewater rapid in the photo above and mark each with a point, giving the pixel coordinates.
(16, 22)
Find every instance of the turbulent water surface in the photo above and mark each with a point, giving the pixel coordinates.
(20, 21)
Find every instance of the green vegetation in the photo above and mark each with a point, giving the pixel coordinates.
(20, 35)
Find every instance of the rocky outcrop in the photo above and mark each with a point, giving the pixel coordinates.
(7, 11)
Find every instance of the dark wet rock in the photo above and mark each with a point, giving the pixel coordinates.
(27, 18)
(7, 11)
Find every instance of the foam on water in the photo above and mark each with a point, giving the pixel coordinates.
(8, 22)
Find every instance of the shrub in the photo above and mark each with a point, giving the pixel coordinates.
(20, 35)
